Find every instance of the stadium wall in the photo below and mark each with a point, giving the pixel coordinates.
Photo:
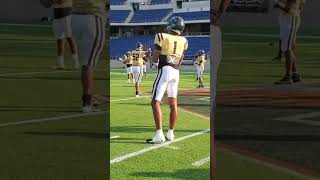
(239, 19)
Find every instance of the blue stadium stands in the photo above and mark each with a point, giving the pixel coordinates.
(150, 15)
(121, 45)
(160, 1)
(118, 16)
(198, 15)
(117, 2)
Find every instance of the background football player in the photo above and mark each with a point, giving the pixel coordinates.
(88, 26)
(290, 18)
(138, 57)
(170, 48)
(200, 62)
(61, 26)
(128, 61)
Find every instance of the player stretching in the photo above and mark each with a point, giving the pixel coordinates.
(170, 48)
(128, 63)
(138, 57)
(88, 25)
(200, 61)
(290, 11)
(61, 26)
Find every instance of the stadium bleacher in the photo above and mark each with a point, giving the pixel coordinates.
(160, 1)
(118, 16)
(189, 16)
(117, 2)
(155, 15)
(122, 45)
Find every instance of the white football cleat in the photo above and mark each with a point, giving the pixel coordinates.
(170, 135)
(158, 139)
(76, 64)
(87, 109)
(137, 96)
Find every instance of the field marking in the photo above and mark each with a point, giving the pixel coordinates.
(114, 137)
(267, 164)
(43, 72)
(268, 35)
(207, 99)
(301, 118)
(154, 147)
(51, 119)
(26, 25)
(201, 162)
(172, 147)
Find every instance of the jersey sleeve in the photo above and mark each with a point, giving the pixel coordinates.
(186, 45)
(158, 39)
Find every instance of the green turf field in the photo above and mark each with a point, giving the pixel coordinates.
(132, 123)
(287, 138)
(43, 134)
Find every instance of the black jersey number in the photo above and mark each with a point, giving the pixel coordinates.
(135, 57)
(175, 47)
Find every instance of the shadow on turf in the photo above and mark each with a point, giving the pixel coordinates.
(270, 137)
(83, 134)
(140, 129)
(178, 174)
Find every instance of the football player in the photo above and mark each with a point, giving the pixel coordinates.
(170, 48)
(200, 62)
(88, 27)
(290, 18)
(128, 61)
(138, 57)
(61, 26)
(218, 8)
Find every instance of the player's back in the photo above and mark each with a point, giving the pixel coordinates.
(172, 48)
(95, 7)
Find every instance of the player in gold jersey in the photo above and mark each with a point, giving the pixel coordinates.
(170, 48)
(88, 26)
(289, 20)
(200, 62)
(61, 26)
(138, 57)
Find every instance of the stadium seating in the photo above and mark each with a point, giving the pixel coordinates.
(122, 45)
(160, 1)
(118, 16)
(150, 15)
(198, 15)
(117, 2)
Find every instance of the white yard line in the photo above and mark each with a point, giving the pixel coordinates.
(51, 119)
(302, 118)
(26, 25)
(172, 147)
(154, 147)
(114, 137)
(268, 35)
(43, 72)
(270, 165)
(201, 162)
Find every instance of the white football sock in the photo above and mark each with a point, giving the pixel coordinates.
(170, 131)
(75, 61)
(60, 61)
(159, 132)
